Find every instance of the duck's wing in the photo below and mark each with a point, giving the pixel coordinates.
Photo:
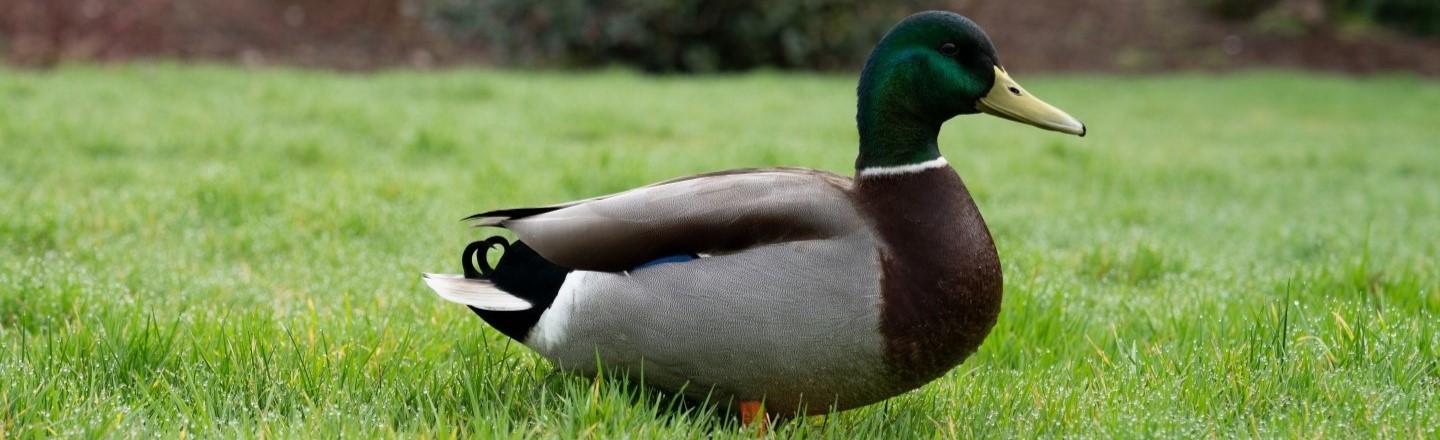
(711, 213)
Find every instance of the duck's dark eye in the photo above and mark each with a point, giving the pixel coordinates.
(949, 49)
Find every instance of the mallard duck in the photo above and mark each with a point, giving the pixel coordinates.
(805, 290)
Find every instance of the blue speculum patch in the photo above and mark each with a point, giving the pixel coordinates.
(678, 258)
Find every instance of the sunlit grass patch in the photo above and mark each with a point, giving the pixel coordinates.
(233, 252)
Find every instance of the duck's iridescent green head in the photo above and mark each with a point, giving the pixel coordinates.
(929, 68)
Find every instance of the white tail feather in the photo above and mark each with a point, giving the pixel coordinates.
(479, 222)
(480, 294)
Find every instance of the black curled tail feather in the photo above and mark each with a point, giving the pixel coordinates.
(521, 272)
(478, 252)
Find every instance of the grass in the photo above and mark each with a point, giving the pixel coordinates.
(226, 252)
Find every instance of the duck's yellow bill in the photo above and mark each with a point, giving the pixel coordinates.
(1010, 101)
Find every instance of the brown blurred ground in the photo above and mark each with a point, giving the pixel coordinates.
(1149, 35)
(1049, 35)
(346, 34)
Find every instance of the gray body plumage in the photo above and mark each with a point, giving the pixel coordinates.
(785, 307)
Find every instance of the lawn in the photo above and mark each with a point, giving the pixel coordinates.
(216, 251)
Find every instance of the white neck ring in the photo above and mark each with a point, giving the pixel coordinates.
(898, 170)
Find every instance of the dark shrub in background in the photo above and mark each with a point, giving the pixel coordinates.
(679, 35)
(1416, 17)
(1419, 17)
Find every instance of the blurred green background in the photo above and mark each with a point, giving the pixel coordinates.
(213, 213)
(702, 36)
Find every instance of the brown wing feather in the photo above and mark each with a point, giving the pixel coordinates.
(498, 216)
(709, 213)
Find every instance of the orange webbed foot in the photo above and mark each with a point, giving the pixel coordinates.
(752, 414)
